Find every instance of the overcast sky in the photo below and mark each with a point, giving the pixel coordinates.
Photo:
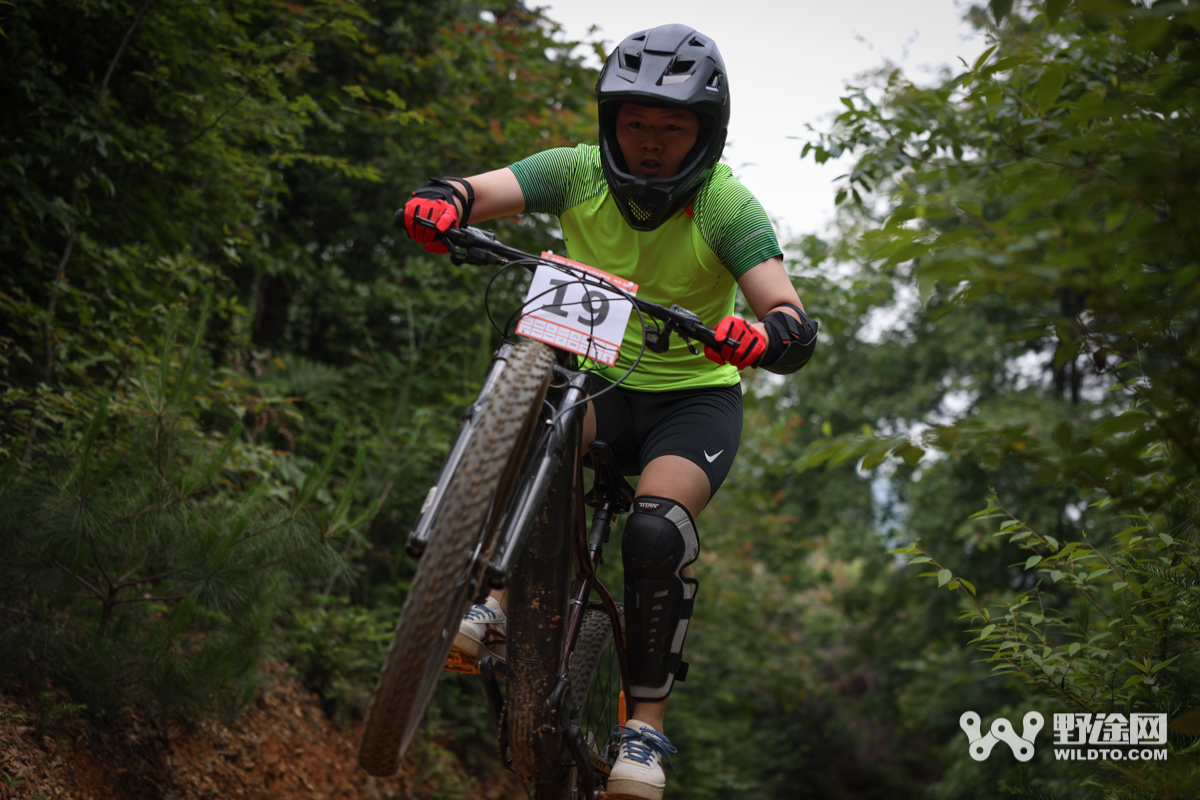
(788, 63)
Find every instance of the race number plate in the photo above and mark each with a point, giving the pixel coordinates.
(577, 315)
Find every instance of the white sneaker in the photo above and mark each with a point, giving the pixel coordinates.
(638, 773)
(481, 632)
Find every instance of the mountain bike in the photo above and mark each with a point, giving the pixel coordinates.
(508, 510)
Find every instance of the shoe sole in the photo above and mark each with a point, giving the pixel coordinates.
(467, 646)
(633, 790)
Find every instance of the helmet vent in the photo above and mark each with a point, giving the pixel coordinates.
(714, 82)
(680, 66)
(633, 61)
(696, 41)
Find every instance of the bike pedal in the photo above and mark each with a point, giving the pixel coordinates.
(457, 662)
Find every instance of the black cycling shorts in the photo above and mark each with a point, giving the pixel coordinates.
(702, 425)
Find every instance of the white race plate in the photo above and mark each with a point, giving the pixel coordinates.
(577, 315)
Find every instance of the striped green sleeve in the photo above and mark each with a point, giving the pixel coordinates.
(555, 180)
(734, 224)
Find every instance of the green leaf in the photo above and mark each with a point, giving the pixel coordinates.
(1145, 32)
(1000, 9)
(1167, 539)
(920, 560)
(1049, 86)
(1163, 664)
(969, 586)
(876, 456)
(986, 632)
(910, 453)
(1142, 668)
(1123, 423)
(943, 577)
(1056, 575)
(983, 57)
(1119, 585)
(1074, 648)
(1063, 434)
(1055, 9)
(1032, 561)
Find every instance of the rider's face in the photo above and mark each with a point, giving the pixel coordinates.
(655, 141)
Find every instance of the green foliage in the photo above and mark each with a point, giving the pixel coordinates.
(336, 649)
(144, 564)
(164, 505)
(1008, 305)
(1129, 613)
(1049, 176)
(1025, 229)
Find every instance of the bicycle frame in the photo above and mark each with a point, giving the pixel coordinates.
(537, 532)
(549, 500)
(547, 543)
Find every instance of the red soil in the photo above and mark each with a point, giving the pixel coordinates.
(282, 746)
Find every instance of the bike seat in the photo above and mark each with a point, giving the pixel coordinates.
(609, 484)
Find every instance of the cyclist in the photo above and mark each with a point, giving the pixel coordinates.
(651, 203)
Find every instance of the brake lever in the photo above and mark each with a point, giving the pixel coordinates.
(691, 318)
(457, 242)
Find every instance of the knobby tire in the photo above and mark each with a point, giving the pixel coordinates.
(446, 581)
(595, 675)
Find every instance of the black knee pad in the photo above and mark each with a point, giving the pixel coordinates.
(659, 541)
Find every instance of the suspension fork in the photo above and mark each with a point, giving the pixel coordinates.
(561, 440)
(419, 538)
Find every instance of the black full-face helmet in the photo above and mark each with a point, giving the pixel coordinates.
(671, 66)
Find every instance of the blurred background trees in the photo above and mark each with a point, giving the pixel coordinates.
(227, 384)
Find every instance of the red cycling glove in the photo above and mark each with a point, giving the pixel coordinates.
(434, 202)
(741, 345)
(442, 214)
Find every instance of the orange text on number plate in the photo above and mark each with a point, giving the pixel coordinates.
(581, 316)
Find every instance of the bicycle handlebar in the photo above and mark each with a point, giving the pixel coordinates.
(469, 245)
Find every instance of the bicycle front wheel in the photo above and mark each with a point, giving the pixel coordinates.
(446, 576)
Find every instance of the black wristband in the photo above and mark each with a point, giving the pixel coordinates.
(790, 342)
(443, 189)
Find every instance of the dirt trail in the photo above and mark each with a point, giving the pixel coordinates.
(281, 747)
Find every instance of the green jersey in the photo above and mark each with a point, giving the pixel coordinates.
(693, 259)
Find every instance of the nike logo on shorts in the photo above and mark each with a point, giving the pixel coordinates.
(713, 457)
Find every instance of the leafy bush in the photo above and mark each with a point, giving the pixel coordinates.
(145, 561)
(337, 650)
